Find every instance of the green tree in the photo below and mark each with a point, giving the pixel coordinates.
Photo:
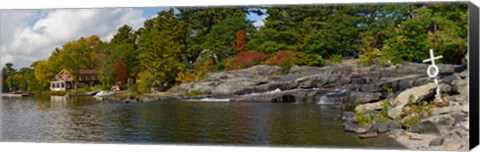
(430, 26)
(81, 54)
(44, 72)
(160, 48)
(26, 79)
(122, 48)
(7, 71)
(223, 35)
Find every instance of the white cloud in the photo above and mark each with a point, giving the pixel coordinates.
(31, 35)
(259, 23)
(260, 20)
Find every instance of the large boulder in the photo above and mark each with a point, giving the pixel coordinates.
(436, 142)
(414, 94)
(439, 125)
(365, 97)
(369, 106)
(387, 125)
(350, 126)
(454, 107)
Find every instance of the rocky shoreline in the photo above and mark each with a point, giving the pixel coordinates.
(414, 120)
(376, 99)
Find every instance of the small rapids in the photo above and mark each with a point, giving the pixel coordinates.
(330, 97)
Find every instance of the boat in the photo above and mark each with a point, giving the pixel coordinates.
(25, 94)
(105, 94)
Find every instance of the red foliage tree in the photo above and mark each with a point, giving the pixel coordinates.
(239, 45)
(120, 70)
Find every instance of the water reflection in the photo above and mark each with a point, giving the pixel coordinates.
(83, 119)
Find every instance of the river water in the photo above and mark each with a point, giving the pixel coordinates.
(86, 120)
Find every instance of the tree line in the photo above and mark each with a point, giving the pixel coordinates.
(181, 44)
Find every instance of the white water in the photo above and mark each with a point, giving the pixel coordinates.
(336, 92)
(326, 100)
(322, 100)
(261, 93)
(210, 100)
(227, 99)
(215, 99)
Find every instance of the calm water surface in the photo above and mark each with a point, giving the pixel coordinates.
(83, 119)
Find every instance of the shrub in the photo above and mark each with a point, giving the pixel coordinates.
(369, 57)
(284, 59)
(221, 65)
(144, 83)
(200, 67)
(334, 59)
(309, 59)
(349, 102)
(193, 93)
(245, 60)
(364, 118)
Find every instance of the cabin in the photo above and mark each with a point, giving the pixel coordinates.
(88, 77)
(64, 81)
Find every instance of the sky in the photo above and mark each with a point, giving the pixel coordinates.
(27, 36)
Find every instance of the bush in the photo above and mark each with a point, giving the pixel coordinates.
(200, 67)
(334, 59)
(309, 59)
(369, 57)
(364, 118)
(349, 103)
(193, 93)
(144, 83)
(133, 89)
(284, 59)
(245, 60)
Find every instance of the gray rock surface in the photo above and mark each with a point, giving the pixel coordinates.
(388, 125)
(367, 83)
(436, 142)
(438, 125)
(369, 106)
(350, 126)
(454, 107)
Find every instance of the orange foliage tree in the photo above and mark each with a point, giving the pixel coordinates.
(239, 45)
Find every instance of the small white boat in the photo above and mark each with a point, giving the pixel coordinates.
(104, 94)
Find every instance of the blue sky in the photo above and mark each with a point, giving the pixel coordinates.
(151, 11)
(31, 35)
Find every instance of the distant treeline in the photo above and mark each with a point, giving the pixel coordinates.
(181, 44)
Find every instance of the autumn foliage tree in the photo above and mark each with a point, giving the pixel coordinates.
(239, 44)
(120, 70)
